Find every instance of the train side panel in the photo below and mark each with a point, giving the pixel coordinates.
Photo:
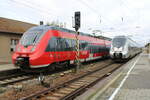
(40, 47)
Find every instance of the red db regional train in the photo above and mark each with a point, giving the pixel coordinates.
(42, 46)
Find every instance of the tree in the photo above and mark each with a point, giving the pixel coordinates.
(56, 23)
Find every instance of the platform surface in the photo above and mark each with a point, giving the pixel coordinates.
(132, 82)
(4, 67)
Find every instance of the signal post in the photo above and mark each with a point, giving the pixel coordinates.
(77, 26)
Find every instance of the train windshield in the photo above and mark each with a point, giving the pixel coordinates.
(31, 37)
(119, 42)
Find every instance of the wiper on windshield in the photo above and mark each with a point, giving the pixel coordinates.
(35, 38)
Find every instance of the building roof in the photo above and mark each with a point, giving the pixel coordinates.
(14, 26)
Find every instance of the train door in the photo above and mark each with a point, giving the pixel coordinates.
(53, 47)
(83, 52)
(58, 50)
(69, 49)
(61, 48)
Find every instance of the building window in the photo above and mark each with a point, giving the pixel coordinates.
(13, 44)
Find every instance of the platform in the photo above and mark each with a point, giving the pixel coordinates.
(130, 82)
(4, 67)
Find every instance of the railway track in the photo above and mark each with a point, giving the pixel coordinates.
(14, 78)
(10, 77)
(71, 89)
(7, 76)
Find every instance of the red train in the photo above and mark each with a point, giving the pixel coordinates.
(42, 46)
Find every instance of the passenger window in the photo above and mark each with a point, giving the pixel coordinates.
(69, 44)
(59, 44)
(73, 42)
(63, 43)
(52, 44)
(83, 44)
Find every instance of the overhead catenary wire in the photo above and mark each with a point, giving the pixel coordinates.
(94, 11)
(32, 9)
(126, 5)
(12, 12)
(37, 9)
(31, 6)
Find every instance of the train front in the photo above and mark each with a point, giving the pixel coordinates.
(28, 51)
(119, 48)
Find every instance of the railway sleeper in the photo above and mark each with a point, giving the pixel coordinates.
(78, 82)
(2, 82)
(85, 81)
(7, 80)
(57, 94)
(75, 86)
(89, 79)
(94, 76)
(68, 89)
(63, 91)
(52, 98)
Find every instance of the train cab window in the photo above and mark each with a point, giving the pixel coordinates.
(31, 37)
(118, 42)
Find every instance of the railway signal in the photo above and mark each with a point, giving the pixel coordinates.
(41, 23)
(77, 26)
(77, 20)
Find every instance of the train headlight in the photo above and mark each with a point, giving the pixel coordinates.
(120, 49)
(112, 49)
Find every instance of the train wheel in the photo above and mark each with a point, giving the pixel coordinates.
(67, 64)
(52, 67)
(25, 68)
(104, 57)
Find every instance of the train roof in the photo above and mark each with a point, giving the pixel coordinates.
(47, 27)
(122, 36)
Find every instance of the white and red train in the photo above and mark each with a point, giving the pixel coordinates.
(123, 48)
(44, 45)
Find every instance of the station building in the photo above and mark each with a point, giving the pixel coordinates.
(10, 33)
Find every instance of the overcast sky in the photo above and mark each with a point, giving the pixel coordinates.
(112, 17)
